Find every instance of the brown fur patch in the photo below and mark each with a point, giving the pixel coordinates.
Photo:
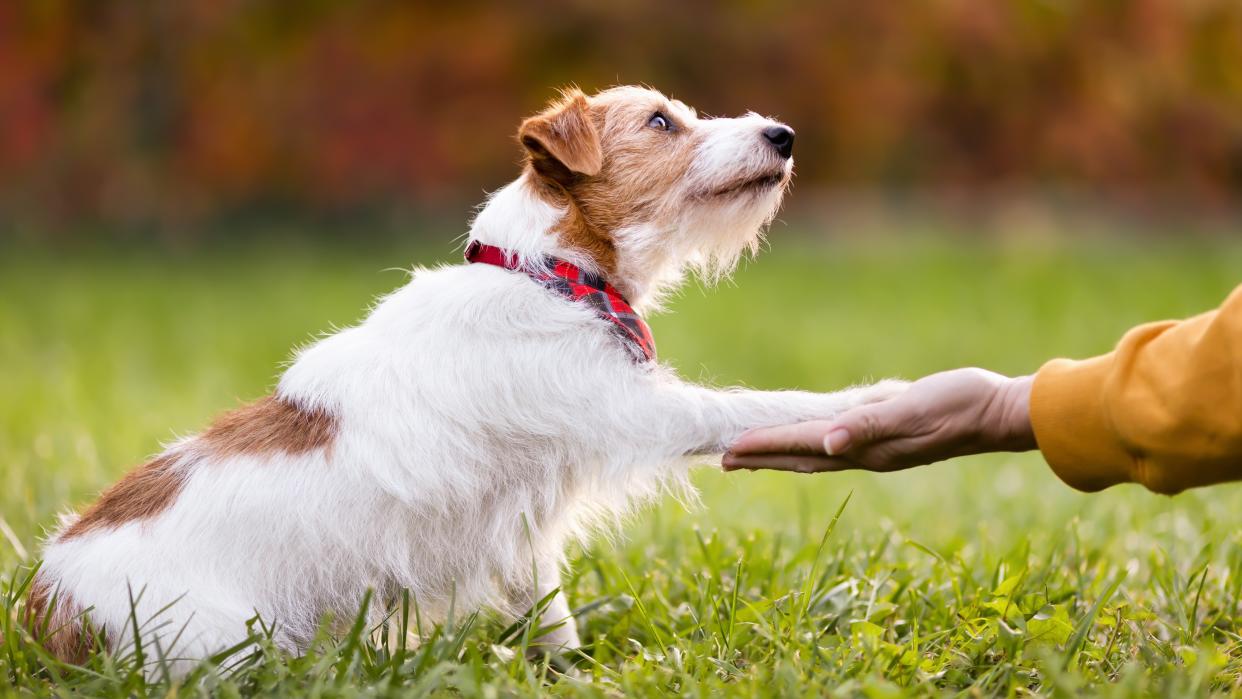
(269, 424)
(143, 492)
(57, 623)
(577, 231)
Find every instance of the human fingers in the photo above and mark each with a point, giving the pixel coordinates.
(797, 463)
(798, 438)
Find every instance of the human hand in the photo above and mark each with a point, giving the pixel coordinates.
(953, 413)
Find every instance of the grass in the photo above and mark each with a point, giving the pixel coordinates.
(982, 576)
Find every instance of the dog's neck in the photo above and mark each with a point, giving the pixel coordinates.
(522, 220)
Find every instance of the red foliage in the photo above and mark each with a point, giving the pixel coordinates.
(122, 111)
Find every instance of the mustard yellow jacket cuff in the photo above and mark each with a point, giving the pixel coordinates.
(1164, 409)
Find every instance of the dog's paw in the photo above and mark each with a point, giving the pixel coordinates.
(881, 390)
(830, 405)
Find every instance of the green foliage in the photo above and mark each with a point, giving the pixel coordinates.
(984, 576)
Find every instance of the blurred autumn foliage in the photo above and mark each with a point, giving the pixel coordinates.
(178, 112)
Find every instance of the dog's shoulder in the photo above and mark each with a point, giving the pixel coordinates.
(482, 302)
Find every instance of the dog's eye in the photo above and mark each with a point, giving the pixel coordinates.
(659, 121)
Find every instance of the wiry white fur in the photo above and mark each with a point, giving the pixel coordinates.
(484, 423)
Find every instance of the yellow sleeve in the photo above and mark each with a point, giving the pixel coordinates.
(1164, 409)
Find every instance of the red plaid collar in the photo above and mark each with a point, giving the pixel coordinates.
(573, 283)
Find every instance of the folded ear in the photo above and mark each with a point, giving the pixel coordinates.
(562, 142)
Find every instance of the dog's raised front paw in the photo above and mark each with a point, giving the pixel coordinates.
(881, 390)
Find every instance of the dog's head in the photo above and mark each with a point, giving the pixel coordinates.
(649, 188)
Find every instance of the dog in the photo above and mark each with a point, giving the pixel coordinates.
(480, 418)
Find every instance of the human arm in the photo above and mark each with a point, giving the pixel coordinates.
(1163, 409)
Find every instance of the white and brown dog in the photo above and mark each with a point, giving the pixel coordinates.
(480, 418)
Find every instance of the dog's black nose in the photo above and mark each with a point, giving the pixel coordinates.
(781, 138)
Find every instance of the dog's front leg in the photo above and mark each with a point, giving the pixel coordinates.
(706, 421)
(523, 598)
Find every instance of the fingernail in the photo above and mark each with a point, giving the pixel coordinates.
(837, 441)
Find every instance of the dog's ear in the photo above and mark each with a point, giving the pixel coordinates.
(562, 142)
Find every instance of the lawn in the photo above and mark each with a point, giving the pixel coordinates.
(982, 576)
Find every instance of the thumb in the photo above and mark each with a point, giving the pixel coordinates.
(859, 427)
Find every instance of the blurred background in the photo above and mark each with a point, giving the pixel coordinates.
(183, 121)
